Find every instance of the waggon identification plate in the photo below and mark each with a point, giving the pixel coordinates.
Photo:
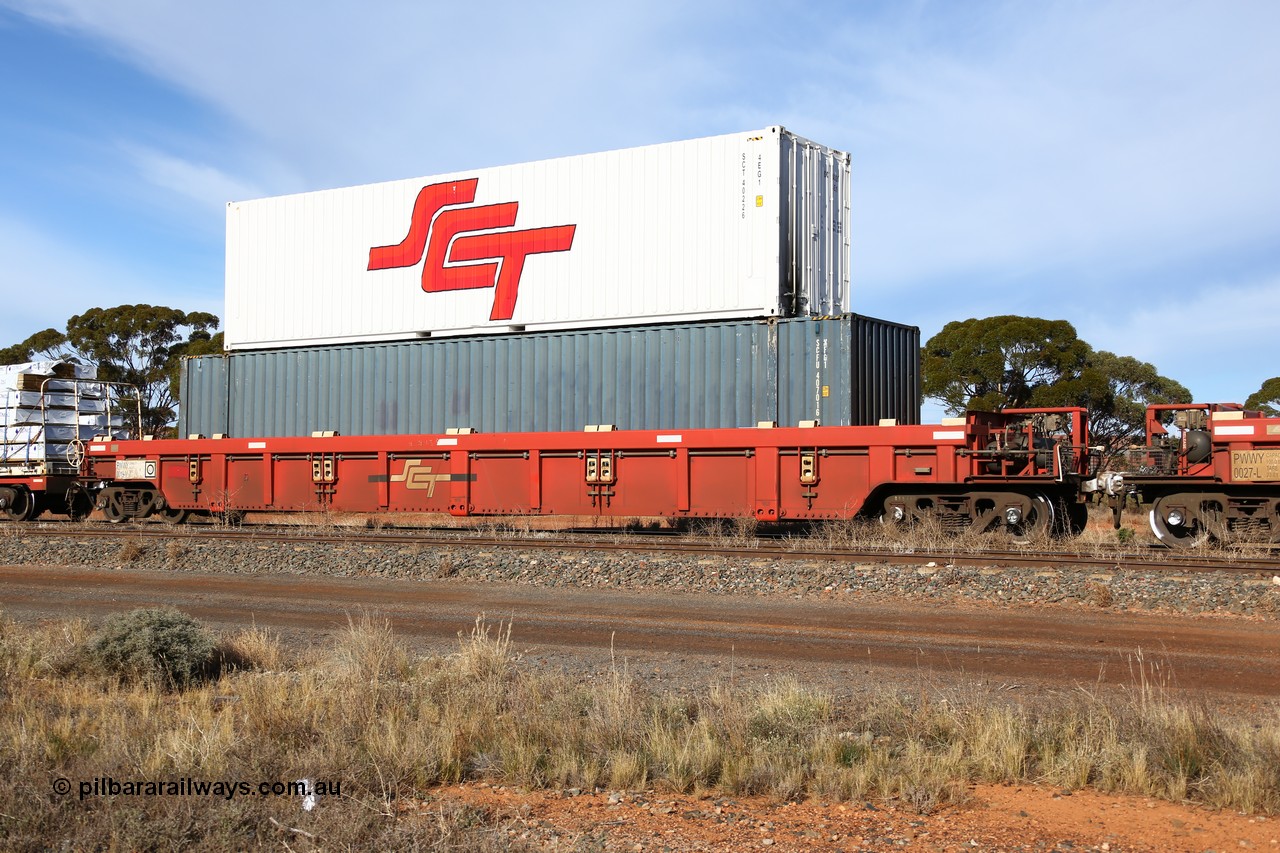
(1255, 465)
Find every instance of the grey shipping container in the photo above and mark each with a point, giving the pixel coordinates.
(840, 371)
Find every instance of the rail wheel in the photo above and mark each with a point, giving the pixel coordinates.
(901, 511)
(172, 515)
(1181, 521)
(39, 503)
(112, 512)
(1026, 520)
(895, 513)
(22, 507)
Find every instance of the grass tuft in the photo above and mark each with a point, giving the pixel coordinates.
(131, 550)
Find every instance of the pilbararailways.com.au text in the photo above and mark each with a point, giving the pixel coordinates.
(229, 789)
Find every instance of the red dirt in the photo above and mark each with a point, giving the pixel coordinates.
(996, 818)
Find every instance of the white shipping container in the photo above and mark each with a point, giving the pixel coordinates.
(750, 224)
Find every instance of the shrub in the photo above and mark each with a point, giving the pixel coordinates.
(1100, 594)
(131, 550)
(159, 644)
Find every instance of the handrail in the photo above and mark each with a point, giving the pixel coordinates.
(78, 387)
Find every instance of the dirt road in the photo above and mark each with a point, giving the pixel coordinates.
(679, 634)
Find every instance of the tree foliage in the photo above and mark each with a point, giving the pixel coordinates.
(1004, 362)
(1267, 398)
(1116, 389)
(141, 345)
(1000, 362)
(49, 345)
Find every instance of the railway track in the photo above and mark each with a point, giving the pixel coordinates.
(1257, 561)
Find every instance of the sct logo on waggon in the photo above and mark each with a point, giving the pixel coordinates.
(469, 247)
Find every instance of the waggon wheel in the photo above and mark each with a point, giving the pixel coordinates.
(902, 511)
(22, 507)
(1027, 524)
(172, 515)
(39, 503)
(1177, 522)
(112, 513)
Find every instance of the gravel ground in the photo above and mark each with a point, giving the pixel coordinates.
(1121, 589)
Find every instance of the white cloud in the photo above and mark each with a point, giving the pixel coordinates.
(351, 94)
(199, 182)
(1002, 139)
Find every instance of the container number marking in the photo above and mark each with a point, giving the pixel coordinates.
(1252, 466)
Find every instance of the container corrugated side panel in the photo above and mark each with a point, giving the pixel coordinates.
(808, 387)
(203, 386)
(886, 370)
(837, 370)
(848, 370)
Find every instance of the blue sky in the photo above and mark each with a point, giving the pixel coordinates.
(1111, 164)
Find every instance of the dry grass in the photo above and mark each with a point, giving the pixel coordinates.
(1100, 594)
(726, 532)
(1099, 540)
(174, 552)
(926, 535)
(388, 726)
(131, 549)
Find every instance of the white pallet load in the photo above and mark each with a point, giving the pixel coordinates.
(46, 409)
(90, 399)
(21, 376)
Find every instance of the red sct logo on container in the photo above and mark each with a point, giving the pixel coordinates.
(449, 233)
